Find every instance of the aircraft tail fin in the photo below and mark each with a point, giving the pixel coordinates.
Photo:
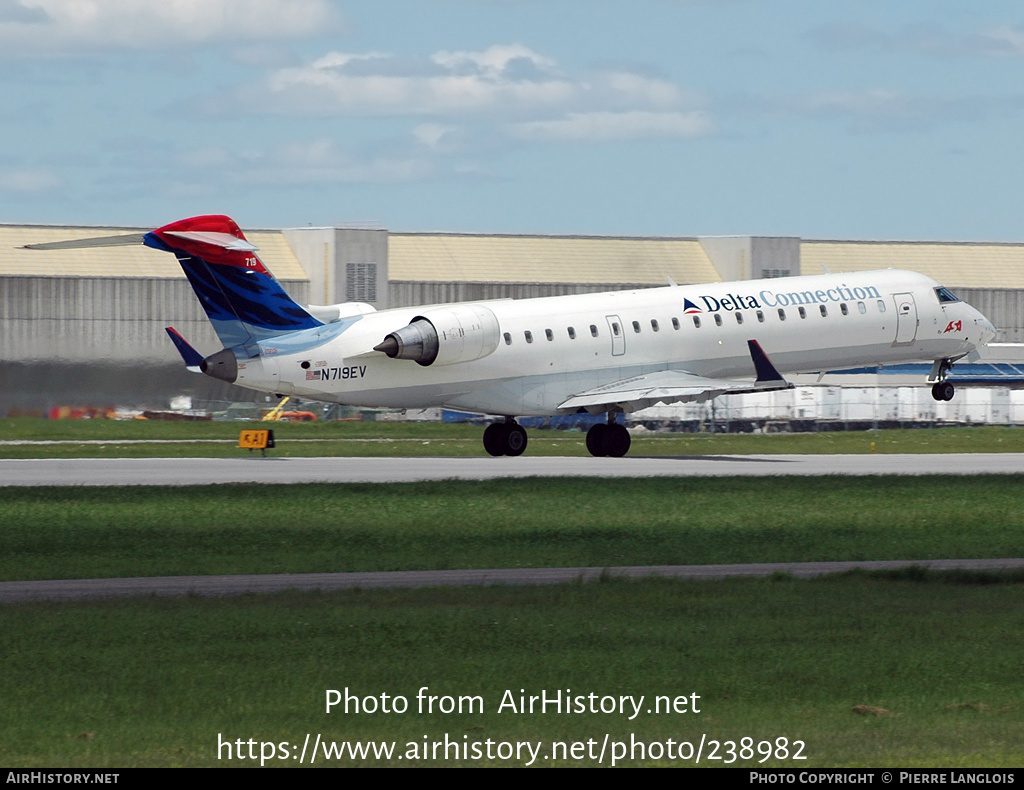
(243, 300)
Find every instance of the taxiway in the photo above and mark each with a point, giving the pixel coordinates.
(206, 471)
(76, 589)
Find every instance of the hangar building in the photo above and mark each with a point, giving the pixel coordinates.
(86, 326)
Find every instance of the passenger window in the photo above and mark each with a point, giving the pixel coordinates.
(881, 306)
(739, 318)
(862, 308)
(615, 328)
(549, 334)
(593, 330)
(636, 327)
(803, 313)
(718, 319)
(675, 323)
(654, 325)
(782, 314)
(508, 339)
(844, 309)
(824, 311)
(696, 321)
(572, 333)
(529, 336)
(760, 317)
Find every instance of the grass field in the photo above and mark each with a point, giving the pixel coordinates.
(934, 665)
(135, 439)
(909, 669)
(84, 532)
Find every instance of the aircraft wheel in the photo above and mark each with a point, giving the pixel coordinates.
(494, 438)
(597, 440)
(515, 439)
(617, 440)
(943, 390)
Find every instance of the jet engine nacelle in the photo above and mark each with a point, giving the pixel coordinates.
(460, 333)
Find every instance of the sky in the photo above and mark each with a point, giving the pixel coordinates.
(875, 119)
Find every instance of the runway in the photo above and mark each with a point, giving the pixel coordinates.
(208, 471)
(80, 589)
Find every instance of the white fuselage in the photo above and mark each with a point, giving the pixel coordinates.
(537, 353)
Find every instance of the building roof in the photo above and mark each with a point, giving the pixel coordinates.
(120, 262)
(453, 257)
(546, 259)
(953, 264)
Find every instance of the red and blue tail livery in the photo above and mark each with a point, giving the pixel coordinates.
(243, 300)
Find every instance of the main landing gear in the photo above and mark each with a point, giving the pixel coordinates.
(505, 438)
(509, 438)
(608, 440)
(941, 388)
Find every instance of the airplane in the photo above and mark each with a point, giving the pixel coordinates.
(607, 353)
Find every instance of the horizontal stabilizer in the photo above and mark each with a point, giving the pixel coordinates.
(223, 240)
(123, 240)
(192, 357)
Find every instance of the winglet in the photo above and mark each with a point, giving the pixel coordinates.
(766, 372)
(192, 357)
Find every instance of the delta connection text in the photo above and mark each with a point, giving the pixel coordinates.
(559, 701)
(767, 298)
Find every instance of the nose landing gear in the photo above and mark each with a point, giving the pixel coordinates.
(942, 390)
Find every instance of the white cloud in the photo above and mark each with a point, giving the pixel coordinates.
(47, 27)
(495, 60)
(434, 135)
(873, 111)
(502, 78)
(302, 162)
(505, 81)
(1004, 41)
(639, 88)
(606, 126)
(28, 182)
(928, 39)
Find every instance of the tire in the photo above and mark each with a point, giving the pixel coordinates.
(597, 440)
(494, 439)
(617, 440)
(515, 439)
(943, 390)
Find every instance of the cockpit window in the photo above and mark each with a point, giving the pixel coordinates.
(945, 295)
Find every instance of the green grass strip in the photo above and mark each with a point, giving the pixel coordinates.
(65, 532)
(101, 439)
(923, 672)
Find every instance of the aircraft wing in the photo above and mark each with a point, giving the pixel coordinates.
(676, 386)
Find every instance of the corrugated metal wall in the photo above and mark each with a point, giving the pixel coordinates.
(99, 318)
(1003, 307)
(408, 293)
